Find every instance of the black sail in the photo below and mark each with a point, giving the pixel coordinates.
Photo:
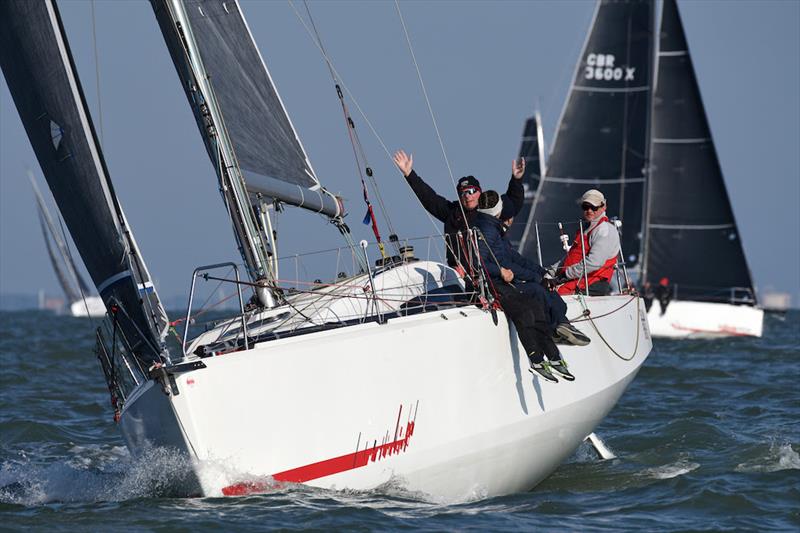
(602, 137)
(41, 76)
(532, 150)
(691, 229)
(268, 150)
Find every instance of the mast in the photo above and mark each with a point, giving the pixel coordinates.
(601, 137)
(692, 237)
(232, 186)
(256, 153)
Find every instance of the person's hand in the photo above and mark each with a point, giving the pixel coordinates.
(404, 162)
(549, 284)
(506, 274)
(518, 168)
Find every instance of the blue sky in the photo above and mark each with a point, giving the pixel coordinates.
(486, 66)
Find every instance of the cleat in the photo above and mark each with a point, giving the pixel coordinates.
(543, 369)
(560, 367)
(572, 335)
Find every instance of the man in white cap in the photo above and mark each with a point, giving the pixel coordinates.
(601, 246)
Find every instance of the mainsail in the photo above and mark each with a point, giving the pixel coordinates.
(245, 127)
(532, 150)
(601, 138)
(692, 237)
(43, 81)
(68, 276)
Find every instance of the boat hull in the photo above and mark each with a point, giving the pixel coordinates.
(92, 307)
(440, 402)
(687, 319)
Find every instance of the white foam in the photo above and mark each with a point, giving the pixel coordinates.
(779, 457)
(672, 470)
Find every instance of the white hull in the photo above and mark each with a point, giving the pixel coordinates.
(95, 305)
(687, 319)
(441, 402)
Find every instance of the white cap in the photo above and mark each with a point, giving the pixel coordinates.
(594, 197)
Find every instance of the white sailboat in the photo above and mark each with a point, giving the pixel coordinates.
(80, 303)
(690, 224)
(394, 374)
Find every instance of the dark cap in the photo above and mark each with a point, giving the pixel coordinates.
(468, 181)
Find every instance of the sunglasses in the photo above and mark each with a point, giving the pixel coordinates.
(586, 206)
(469, 190)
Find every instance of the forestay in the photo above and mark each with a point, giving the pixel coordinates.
(692, 234)
(601, 138)
(42, 79)
(268, 151)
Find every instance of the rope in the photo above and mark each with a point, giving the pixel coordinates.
(428, 102)
(586, 312)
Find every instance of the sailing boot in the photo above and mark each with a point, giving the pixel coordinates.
(572, 335)
(560, 367)
(542, 368)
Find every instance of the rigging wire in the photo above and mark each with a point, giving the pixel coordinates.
(358, 106)
(97, 74)
(358, 150)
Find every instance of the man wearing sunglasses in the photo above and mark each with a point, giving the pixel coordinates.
(601, 245)
(452, 213)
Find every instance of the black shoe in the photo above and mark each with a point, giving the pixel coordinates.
(572, 335)
(543, 369)
(560, 366)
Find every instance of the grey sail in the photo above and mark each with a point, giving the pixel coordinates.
(602, 136)
(67, 284)
(690, 228)
(268, 151)
(532, 150)
(69, 278)
(38, 67)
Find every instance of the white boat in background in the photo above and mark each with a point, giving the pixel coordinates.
(688, 319)
(80, 302)
(393, 373)
(691, 238)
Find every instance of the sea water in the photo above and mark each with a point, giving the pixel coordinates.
(706, 438)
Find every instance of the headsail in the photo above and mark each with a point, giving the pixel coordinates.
(601, 138)
(244, 125)
(43, 81)
(690, 228)
(68, 276)
(532, 150)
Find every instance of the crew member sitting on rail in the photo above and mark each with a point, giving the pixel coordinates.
(600, 245)
(510, 275)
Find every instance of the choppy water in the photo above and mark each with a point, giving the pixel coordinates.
(707, 437)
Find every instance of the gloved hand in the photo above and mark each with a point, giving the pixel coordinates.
(549, 283)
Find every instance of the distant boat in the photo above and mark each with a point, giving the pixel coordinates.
(691, 238)
(80, 302)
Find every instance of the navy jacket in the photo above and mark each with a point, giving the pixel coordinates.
(449, 212)
(495, 248)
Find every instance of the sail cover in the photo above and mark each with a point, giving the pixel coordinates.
(601, 138)
(692, 236)
(269, 153)
(38, 67)
(532, 150)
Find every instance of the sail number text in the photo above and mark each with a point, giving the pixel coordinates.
(601, 67)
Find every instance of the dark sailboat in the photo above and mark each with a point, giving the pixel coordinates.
(38, 67)
(532, 150)
(601, 138)
(692, 242)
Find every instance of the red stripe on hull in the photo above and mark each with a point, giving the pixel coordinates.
(327, 467)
